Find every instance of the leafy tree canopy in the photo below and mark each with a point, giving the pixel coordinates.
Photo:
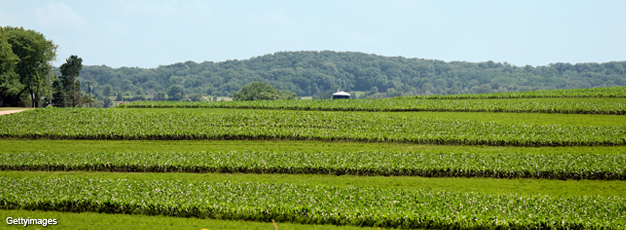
(25, 57)
(176, 92)
(308, 73)
(262, 91)
(70, 70)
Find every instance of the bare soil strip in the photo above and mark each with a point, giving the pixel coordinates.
(11, 111)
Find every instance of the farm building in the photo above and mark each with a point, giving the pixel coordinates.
(341, 95)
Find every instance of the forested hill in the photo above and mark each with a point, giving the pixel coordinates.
(309, 72)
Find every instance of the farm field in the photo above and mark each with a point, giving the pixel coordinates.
(306, 204)
(603, 92)
(360, 163)
(12, 145)
(454, 184)
(534, 118)
(112, 124)
(560, 167)
(614, 106)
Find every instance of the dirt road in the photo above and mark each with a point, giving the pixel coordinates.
(11, 111)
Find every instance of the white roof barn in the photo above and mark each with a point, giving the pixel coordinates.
(341, 95)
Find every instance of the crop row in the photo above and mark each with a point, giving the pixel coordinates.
(307, 204)
(556, 93)
(581, 106)
(112, 124)
(509, 165)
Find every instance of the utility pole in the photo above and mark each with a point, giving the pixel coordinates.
(89, 90)
(49, 92)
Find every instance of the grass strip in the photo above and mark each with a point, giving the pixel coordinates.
(104, 221)
(362, 163)
(313, 204)
(56, 123)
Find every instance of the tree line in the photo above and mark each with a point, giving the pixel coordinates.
(27, 77)
(319, 74)
(25, 57)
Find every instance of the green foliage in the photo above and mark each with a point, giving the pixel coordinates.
(363, 163)
(327, 94)
(160, 96)
(176, 93)
(309, 73)
(262, 91)
(8, 62)
(301, 125)
(494, 186)
(195, 97)
(612, 106)
(308, 204)
(605, 92)
(25, 55)
(107, 102)
(108, 91)
(70, 70)
(165, 146)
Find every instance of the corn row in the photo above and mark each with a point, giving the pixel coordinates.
(364, 163)
(313, 204)
(108, 124)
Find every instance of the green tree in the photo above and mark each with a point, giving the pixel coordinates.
(8, 61)
(176, 93)
(70, 70)
(108, 103)
(34, 53)
(262, 91)
(108, 90)
(195, 97)
(160, 96)
(59, 97)
(327, 94)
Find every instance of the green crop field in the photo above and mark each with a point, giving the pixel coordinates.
(107, 124)
(616, 106)
(605, 92)
(305, 204)
(363, 163)
(524, 160)
(610, 100)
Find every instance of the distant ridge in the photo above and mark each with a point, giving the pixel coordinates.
(310, 73)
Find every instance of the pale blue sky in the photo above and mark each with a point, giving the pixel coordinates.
(152, 33)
